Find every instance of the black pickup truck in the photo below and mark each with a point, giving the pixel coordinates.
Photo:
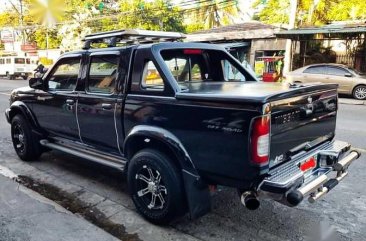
(179, 119)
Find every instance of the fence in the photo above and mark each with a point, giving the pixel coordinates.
(357, 61)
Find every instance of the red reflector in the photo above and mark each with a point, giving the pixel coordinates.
(309, 164)
(192, 51)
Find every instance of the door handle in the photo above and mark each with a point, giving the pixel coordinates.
(70, 101)
(106, 106)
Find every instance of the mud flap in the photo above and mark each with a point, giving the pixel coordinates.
(198, 195)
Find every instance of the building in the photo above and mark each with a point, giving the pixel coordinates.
(250, 41)
(339, 42)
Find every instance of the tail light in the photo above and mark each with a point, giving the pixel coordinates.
(260, 139)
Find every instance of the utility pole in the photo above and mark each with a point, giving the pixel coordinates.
(291, 25)
(22, 21)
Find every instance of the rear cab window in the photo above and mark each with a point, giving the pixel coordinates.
(196, 66)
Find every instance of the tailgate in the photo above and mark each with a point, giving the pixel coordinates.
(301, 123)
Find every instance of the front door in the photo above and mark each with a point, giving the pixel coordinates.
(340, 76)
(55, 107)
(99, 106)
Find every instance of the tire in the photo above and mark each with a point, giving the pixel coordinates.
(144, 183)
(359, 92)
(25, 143)
(25, 77)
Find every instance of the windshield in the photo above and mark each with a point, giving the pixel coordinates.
(196, 65)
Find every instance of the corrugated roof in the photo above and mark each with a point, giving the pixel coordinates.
(330, 29)
(242, 31)
(252, 25)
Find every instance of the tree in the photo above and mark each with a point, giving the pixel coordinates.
(311, 12)
(152, 15)
(212, 13)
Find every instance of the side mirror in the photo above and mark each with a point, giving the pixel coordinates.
(36, 83)
(348, 75)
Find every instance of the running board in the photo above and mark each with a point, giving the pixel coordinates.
(106, 160)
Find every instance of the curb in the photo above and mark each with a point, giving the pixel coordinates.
(351, 101)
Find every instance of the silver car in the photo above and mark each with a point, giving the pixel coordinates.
(350, 81)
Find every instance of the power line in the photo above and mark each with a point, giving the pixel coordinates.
(218, 4)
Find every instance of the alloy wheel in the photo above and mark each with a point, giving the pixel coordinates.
(151, 188)
(19, 138)
(360, 93)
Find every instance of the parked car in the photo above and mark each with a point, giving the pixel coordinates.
(179, 119)
(350, 81)
(14, 66)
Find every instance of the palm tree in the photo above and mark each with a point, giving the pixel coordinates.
(213, 13)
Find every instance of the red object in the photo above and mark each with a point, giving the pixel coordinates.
(28, 47)
(192, 51)
(260, 140)
(270, 73)
(309, 164)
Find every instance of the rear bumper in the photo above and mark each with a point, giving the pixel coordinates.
(289, 185)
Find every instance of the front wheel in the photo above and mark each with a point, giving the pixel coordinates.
(26, 145)
(155, 187)
(359, 92)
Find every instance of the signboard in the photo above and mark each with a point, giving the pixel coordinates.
(259, 67)
(7, 36)
(28, 47)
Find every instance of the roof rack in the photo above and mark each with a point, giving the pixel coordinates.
(131, 36)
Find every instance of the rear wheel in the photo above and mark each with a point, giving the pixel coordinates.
(25, 143)
(25, 77)
(155, 187)
(359, 92)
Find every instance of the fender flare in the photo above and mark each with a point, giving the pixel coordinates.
(164, 136)
(19, 106)
(196, 190)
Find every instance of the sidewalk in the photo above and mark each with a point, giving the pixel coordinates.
(25, 215)
(350, 101)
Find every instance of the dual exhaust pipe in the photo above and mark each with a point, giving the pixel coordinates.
(316, 189)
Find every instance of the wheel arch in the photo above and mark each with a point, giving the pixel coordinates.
(196, 190)
(19, 107)
(143, 136)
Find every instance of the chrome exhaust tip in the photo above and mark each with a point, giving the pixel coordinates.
(249, 200)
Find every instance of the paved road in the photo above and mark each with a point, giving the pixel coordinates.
(343, 210)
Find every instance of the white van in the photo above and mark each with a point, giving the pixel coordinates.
(13, 67)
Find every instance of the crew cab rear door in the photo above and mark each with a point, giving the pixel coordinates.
(100, 104)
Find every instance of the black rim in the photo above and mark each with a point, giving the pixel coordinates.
(18, 138)
(150, 188)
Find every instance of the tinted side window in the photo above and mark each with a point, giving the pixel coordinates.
(337, 71)
(316, 70)
(1, 61)
(8, 61)
(64, 75)
(151, 78)
(103, 74)
(231, 73)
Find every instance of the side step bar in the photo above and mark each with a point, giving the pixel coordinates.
(106, 160)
